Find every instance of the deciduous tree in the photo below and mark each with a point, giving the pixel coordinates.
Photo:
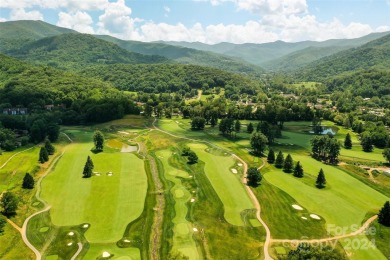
(9, 203)
(258, 143)
(254, 177)
(49, 147)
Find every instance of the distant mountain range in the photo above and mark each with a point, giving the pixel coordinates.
(41, 43)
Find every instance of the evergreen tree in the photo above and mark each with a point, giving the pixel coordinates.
(321, 181)
(384, 215)
(254, 177)
(28, 182)
(98, 140)
(249, 128)
(9, 203)
(348, 142)
(279, 160)
(88, 167)
(49, 147)
(43, 155)
(288, 164)
(298, 170)
(237, 126)
(271, 156)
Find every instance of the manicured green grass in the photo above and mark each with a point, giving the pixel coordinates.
(182, 231)
(107, 203)
(13, 172)
(344, 202)
(12, 246)
(227, 185)
(360, 247)
(380, 234)
(96, 251)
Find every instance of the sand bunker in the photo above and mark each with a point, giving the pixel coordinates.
(69, 244)
(97, 174)
(239, 164)
(192, 200)
(122, 132)
(195, 229)
(126, 241)
(109, 174)
(129, 148)
(304, 218)
(234, 171)
(71, 233)
(314, 216)
(85, 225)
(190, 176)
(297, 207)
(106, 254)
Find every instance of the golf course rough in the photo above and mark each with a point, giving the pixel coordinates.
(227, 185)
(106, 203)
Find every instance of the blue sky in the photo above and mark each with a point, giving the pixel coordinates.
(209, 21)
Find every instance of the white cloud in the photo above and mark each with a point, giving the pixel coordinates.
(79, 21)
(72, 5)
(21, 14)
(2, 19)
(384, 28)
(116, 21)
(167, 9)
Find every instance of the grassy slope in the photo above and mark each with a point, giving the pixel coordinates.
(227, 185)
(182, 237)
(107, 203)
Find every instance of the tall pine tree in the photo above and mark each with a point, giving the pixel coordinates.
(298, 170)
(88, 167)
(43, 155)
(321, 181)
(288, 164)
(271, 156)
(279, 160)
(348, 142)
(384, 215)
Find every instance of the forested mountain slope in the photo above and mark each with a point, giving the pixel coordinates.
(75, 51)
(375, 54)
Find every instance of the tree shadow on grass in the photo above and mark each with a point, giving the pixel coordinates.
(95, 151)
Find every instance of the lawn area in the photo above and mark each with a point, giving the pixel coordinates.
(13, 172)
(360, 247)
(183, 229)
(344, 202)
(107, 203)
(96, 250)
(227, 185)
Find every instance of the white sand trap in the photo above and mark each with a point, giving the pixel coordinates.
(297, 207)
(195, 229)
(239, 164)
(304, 218)
(69, 244)
(192, 200)
(109, 173)
(71, 233)
(234, 171)
(193, 191)
(190, 176)
(97, 174)
(129, 148)
(85, 225)
(177, 122)
(126, 241)
(314, 216)
(106, 254)
(122, 132)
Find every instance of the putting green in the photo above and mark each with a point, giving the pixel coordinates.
(226, 184)
(182, 231)
(343, 203)
(43, 229)
(107, 203)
